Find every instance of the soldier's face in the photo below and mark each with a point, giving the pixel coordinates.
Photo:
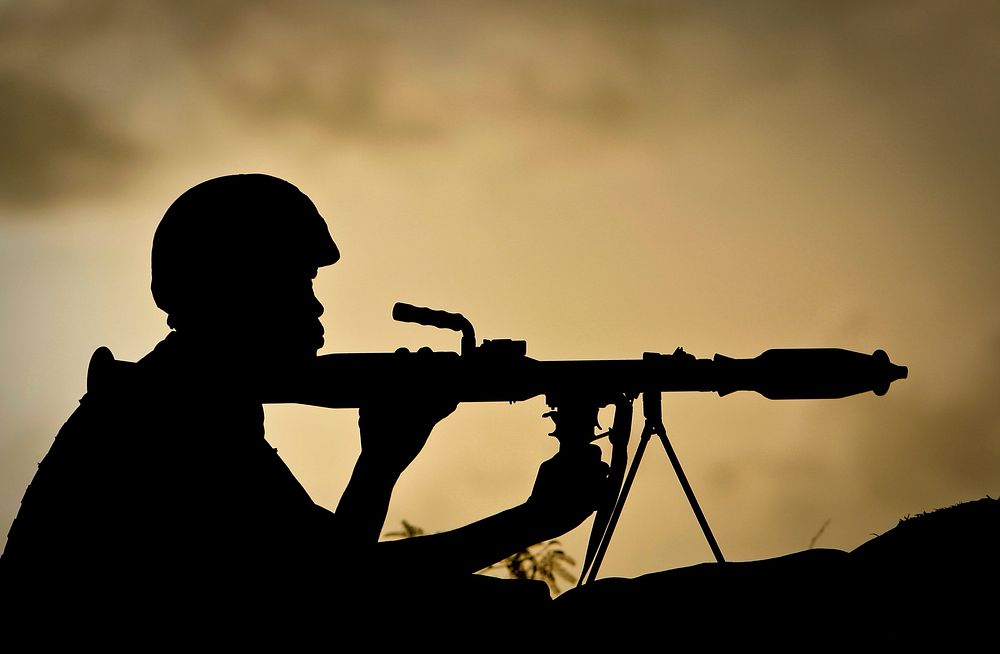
(285, 322)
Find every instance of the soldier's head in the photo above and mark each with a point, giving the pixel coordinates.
(233, 261)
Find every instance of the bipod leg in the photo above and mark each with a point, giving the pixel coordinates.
(621, 431)
(647, 433)
(652, 409)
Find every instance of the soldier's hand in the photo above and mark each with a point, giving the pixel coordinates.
(395, 428)
(568, 488)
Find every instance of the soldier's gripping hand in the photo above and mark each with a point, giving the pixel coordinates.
(394, 428)
(568, 488)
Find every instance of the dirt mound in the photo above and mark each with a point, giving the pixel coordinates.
(959, 537)
(934, 574)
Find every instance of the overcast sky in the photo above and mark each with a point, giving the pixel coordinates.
(600, 179)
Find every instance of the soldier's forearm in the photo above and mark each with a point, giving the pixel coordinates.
(467, 549)
(365, 502)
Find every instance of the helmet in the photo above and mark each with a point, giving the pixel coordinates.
(233, 226)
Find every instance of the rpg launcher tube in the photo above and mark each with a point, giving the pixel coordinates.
(351, 380)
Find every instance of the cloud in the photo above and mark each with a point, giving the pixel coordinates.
(89, 81)
(50, 144)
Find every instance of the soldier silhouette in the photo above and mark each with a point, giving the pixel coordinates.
(161, 507)
(161, 485)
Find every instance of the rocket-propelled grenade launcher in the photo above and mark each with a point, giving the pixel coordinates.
(500, 371)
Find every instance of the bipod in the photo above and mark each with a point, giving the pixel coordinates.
(652, 411)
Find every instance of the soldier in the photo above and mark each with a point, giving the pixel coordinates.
(161, 484)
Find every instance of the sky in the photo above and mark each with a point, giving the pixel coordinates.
(598, 179)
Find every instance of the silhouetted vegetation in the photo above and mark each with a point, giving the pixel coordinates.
(408, 531)
(812, 541)
(546, 561)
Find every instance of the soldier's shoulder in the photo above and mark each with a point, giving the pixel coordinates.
(118, 393)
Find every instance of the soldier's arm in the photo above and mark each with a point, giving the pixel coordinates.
(566, 491)
(391, 437)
